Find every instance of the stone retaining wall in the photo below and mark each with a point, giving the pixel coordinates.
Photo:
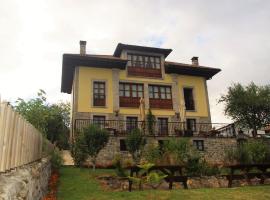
(29, 182)
(214, 149)
(213, 152)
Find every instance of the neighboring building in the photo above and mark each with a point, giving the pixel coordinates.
(106, 90)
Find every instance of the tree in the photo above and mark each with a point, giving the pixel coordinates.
(135, 143)
(79, 150)
(248, 105)
(58, 122)
(50, 119)
(95, 139)
(34, 110)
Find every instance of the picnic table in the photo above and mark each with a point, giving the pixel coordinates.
(174, 174)
(246, 168)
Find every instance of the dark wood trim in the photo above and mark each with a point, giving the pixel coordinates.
(161, 103)
(146, 72)
(129, 102)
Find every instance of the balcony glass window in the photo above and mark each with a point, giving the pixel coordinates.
(130, 94)
(152, 62)
(159, 92)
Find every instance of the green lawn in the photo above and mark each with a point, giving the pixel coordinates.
(79, 184)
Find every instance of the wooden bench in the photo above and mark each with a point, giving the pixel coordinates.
(247, 175)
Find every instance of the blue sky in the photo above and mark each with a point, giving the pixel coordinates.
(231, 35)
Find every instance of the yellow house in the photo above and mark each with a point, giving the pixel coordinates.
(106, 89)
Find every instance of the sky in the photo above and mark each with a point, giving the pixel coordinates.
(228, 34)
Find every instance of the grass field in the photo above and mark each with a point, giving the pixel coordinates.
(79, 184)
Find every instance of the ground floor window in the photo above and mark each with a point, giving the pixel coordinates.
(123, 146)
(198, 144)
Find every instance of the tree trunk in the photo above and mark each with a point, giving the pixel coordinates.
(94, 163)
(254, 132)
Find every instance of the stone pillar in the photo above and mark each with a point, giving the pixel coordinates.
(146, 96)
(175, 93)
(207, 101)
(115, 82)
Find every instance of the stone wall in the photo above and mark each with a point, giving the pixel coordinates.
(213, 152)
(214, 149)
(29, 182)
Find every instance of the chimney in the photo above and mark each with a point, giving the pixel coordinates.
(82, 47)
(195, 61)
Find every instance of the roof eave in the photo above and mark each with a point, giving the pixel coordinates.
(71, 61)
(120, 47)
(208, 73)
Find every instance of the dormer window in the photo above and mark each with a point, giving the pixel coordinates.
(144, 65)
(135, 60)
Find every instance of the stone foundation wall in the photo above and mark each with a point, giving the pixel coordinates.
(29, 182)
(214, 149)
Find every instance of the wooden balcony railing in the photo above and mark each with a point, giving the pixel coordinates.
(161, 103)
(129, 102)
(177, 129)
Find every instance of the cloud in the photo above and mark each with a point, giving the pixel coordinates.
(231, 35)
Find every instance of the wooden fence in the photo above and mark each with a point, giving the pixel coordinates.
(20, 142)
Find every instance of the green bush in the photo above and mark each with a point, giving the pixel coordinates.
(135, 143)
(79, 150)
(194, 165)
(56, 159)
(181, 149)
(153, 153)
(253, 151)
(259, 151)
(95, 139)
(118, 164)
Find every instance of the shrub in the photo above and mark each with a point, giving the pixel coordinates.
(118, 164)
(259, 151)
(79, 150)
(56, 159)
(135, 143)
(181, 149)
(95, 139)
(255, 151)
(153, 153)
(194, 165)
